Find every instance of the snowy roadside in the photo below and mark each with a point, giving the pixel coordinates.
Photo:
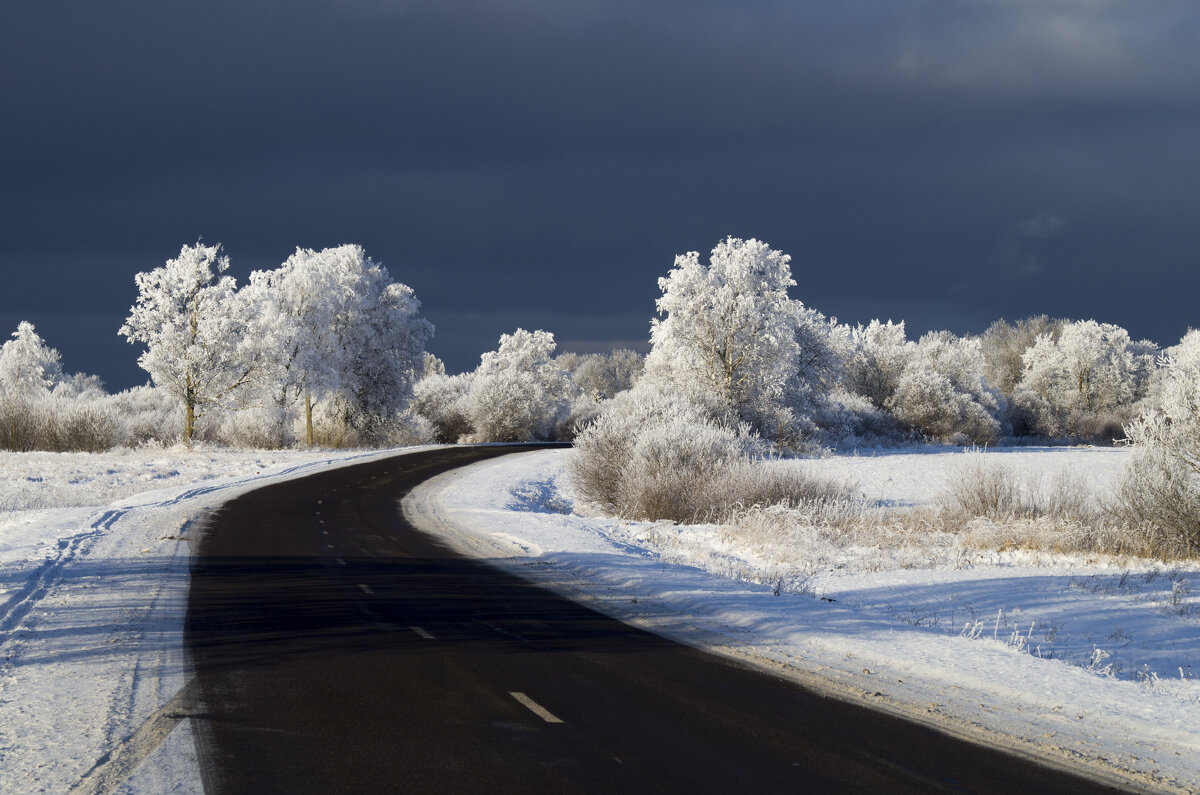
(1079, 660)
(93, 592)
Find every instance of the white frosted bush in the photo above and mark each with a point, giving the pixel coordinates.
(147, 415)
(674, 469)
(1161, 485)
(929, 403)
(439, 399)
(604, 449)
(879, 355)
(600, 376)
(848, 420)
(654, 456)
(57, 424)
(518, 393)
(510, 407)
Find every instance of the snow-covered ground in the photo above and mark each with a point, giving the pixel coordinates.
(94, 554)
(1086, 660)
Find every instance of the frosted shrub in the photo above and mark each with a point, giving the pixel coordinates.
(942, 393)
(22, 423)
(1033, 415)
(518, 393)
(989, 506)
(987, 488)
(600, 376)
(81, 426)
(509, 407)
(652, 456)
(57, 425)
(1160, 490)
(582, 412)
(929, 403)
(439, 398)
(265, 427)
(604, 449)
(934, 386)
(757, 483)
(984, 489)
(675, 468)
(847, 420)
(879, 355)
(147, 415)
(1158, 498)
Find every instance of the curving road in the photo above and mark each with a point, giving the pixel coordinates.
(337, 649)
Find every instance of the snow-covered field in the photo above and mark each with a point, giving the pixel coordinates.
(1085, 659)
(94, 554)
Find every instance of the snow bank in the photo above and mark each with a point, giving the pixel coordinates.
(93, 592)
(1085, 661)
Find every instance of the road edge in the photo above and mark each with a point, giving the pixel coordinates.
(424, 509)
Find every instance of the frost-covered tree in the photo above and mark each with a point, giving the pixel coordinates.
(518, 393)
(81, 386)
(602, 375)
(822, 349)
(1161, 485)
(934, 386)
(1147, 357)
(942, 393)
(1089, 367)
(1003, 344)
(432, 365)
(386, 339)
(342, 330)
(567, 361)
(1085, 382)
(960, 359)
(727, 336)
(194, 333)
(441, 400)
(879, 354)
(29, 368)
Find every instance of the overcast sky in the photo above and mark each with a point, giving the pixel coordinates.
(538, 163)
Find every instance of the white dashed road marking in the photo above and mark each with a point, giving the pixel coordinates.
(365, 588)
(534, 707)
(422, 633)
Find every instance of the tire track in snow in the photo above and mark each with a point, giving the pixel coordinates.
(46, 575)
(112, 769)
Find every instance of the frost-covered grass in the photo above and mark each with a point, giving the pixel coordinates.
(983, 504)
(988, 624)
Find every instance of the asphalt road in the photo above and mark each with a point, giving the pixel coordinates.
(337, 649)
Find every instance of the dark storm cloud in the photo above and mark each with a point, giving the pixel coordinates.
(540, 163)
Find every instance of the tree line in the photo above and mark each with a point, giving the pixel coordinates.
(329, 349)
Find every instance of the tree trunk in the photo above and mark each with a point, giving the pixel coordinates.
(189, 424)
(308, 417)
(283, 417)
